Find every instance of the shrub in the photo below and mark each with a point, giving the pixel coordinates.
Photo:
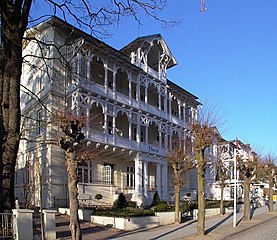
(156, 199)
(161, 207)
(137, 212)
(212, 203)
(228, 203)
(187, 206)
(163, 202)
(184, 207)
(98, 196)
(120, 202)
(132, 204)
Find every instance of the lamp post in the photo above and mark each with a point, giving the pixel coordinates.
(245, 160)
(235, 189)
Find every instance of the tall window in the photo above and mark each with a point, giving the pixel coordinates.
(106, 174)
(83, 67)
(84, 172)
(130, 177)
(40, 124)
(97, 71)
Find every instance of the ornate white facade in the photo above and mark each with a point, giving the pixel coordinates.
(131, 109)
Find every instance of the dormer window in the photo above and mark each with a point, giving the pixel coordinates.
(152, 55)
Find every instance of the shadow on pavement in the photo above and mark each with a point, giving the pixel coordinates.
(218, 224)
(174, 230)
(183, 225)
(63, 231)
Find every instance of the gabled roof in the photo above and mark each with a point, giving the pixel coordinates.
(149, 40)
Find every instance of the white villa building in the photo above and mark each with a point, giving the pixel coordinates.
(226, 151)
(132, 111)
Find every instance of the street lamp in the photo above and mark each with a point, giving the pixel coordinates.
(245, 160)
(235, 189)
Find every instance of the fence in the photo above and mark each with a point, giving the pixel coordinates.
(6, 226)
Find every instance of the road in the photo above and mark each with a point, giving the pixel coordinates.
(264, 231)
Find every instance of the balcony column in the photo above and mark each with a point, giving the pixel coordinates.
(105, 127)
(158, 178)
(106, 85)
(88, 121)
(138, 176)
(164, 181)
(160, 139)
(179, 109)
(138, 84)
(146, 133)
(165, 101)
(166, 140)
(194, 114)
(169, 104)
(146, 94)
(170, 137)
(160, 98)
(145, 178)
(114, 86)
(130, 91)
(113, 129)
(138, 130)
(184, 112)
(130, 130)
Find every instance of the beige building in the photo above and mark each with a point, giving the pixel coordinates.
(132, 111)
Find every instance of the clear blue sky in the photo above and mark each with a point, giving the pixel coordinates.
(227, 55)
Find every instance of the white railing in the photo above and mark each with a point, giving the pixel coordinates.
(125, 143)
(6, 225)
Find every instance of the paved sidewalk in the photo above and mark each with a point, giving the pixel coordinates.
(217, 228)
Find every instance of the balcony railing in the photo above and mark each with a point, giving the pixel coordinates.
(153, 73)
(121, 98)
(125, 143)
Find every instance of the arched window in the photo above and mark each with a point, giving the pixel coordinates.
(153, 134)
(96, 121)
(152, 94)
(83, 66)
(97, 71)
(175, 140)
(122, 125)
(122, 82)
(188, 145)
(174, 107)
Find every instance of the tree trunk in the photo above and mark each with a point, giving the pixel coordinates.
(221, 199)
(10, 120)
(246, 186)
(270, 193)
(201, 195)
(177, 204)
(73, 197)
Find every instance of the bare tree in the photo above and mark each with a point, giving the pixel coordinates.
(268, 172)
(181, 162)
(222, 175)
(203, 132)
(248, 169)
(75, 148)
(15, 17)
